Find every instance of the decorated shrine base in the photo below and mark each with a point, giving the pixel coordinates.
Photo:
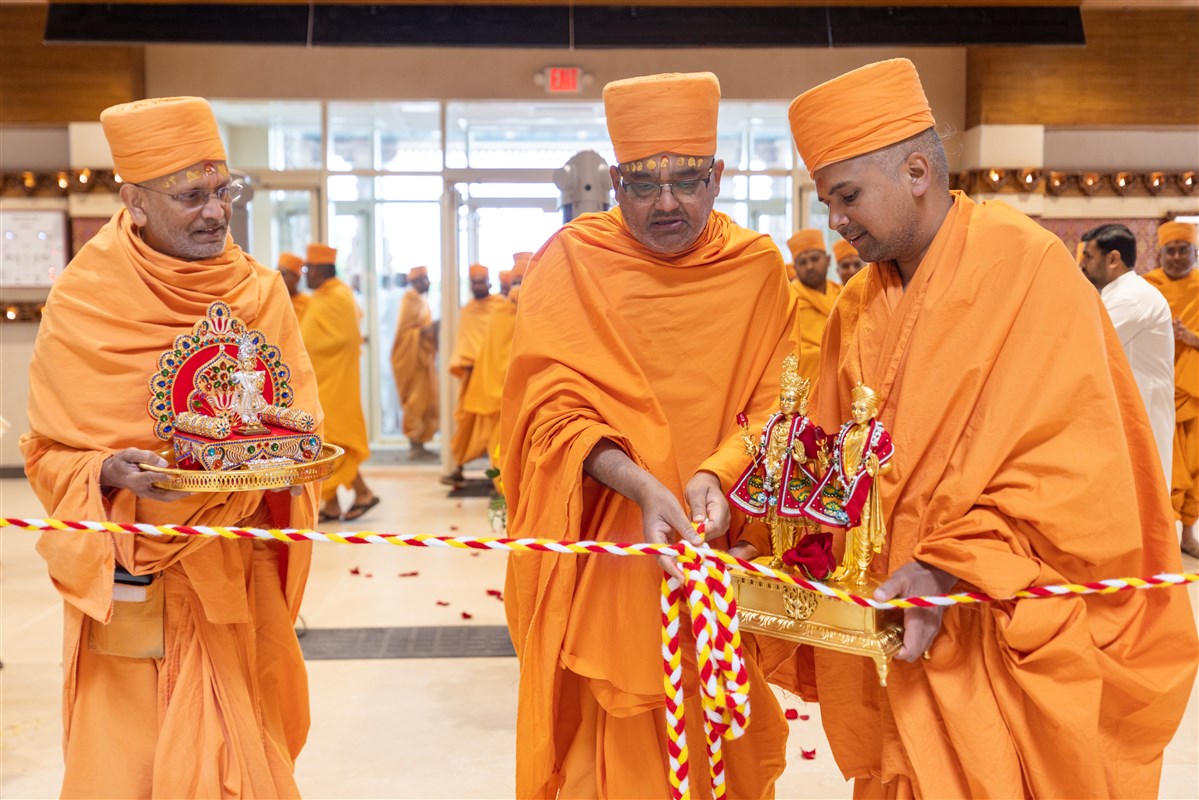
(788, 612)
(193, 451)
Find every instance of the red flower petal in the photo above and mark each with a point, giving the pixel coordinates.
(467, 616)
(354, 571)
(475, 555)
(453, 527)
(808, 755)
(411, 574)
(496, 593)
(791, 713)
(804, 717)
(370, 575)
(443, 602)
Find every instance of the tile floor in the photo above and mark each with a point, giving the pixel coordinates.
(418, 728)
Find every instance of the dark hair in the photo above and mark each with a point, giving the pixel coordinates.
(1116, 237)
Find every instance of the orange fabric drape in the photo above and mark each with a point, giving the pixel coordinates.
(486, 390)
(472, 432)
(330, 331)
(110, 315)
(414, 365)
(814, 310)
(1023, 457)
(299, 302)
(657, 354)
(1183, 297)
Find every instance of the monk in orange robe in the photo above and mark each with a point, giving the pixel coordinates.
(849, 263)
(1023, 457)
(330, 330)
(291, 267)
(1178, 280)
(641, 333)
(192, 686)
(485, 396)
(414, 365)
(816, 295)
(472, 432)
(505, 282)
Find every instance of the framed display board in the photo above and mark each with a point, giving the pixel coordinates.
(33, 247)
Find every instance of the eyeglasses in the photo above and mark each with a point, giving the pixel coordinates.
(195, 199)
(646, 192)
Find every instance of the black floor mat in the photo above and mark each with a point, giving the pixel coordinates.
(433, 641)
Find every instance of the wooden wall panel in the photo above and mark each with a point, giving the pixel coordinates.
(55, 84)
(1138, 68)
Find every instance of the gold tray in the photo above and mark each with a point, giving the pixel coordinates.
(788, 612)
(248, 480)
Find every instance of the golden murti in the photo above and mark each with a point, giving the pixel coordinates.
(796, 485)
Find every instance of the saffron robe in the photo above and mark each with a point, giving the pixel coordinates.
(223, 709)
(414, 366)
(814, 310)
(472, 432)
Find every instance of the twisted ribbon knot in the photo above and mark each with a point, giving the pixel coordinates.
(723, 679)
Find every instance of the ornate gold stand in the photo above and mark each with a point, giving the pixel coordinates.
(798, 615)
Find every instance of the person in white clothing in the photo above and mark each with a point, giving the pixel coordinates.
(1143, 323)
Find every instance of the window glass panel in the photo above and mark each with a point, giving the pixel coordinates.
(385, 137)
(514, 135)
(754, 136)
(270, 134)
(408, 187)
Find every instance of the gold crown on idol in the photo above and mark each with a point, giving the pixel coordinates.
(864, 394)
(790, 381)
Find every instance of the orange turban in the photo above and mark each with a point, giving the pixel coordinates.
(477, 271)
(670, 113)
(1177, 232)
(505, 277)
(843, 250)
(865, 110)
(807, 239)
(520, 262)
(321, 254)
(1078, 251)
(291, 262)
(418, 272)
(159, 136)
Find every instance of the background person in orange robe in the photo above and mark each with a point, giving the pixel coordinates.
(505, 282)
(193, 686)
(486, 393)
(471, 431)
(1016, 463)
(816, 295)
(1178, 280)
(291, 267)
(414, 365)
(641, 333)
(330, 330)
(849, 263)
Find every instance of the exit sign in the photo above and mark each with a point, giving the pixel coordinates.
(563, 80)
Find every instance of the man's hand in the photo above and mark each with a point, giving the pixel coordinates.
(661, 518)
(1185, 335)
(920, 625)
(120, 471)
(708, 504)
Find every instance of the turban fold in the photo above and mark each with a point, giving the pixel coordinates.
(670, 113)
(807, 239)
(843, 250)
(478, 271)
(321, 254)
(520, 262)
(418, 272)
(160, 136)
(1078, 251)
(870, 108)
(290, 262)
(1175, 232)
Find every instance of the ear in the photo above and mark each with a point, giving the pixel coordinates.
(614, 173)
(918, 171)
(717, 171)
(135, 201)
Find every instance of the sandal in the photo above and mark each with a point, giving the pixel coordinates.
(360, 508)
(323, 516)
